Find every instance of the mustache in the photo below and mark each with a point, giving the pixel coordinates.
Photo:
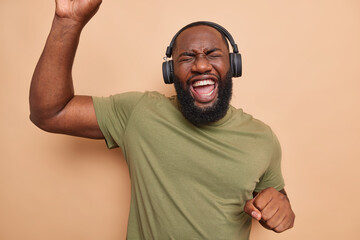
(202, 74)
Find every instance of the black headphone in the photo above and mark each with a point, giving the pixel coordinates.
(235, 56)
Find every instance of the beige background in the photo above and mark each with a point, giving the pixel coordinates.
(301, 76)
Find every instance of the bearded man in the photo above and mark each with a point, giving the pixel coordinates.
(199, 168)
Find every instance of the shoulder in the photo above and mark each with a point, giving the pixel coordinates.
(129, 97)
(247, 120)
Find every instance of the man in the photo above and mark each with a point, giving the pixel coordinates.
(199, 168)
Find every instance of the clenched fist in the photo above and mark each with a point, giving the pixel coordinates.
(272, 208)
(79, 11)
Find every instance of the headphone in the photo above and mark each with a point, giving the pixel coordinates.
(235, 56)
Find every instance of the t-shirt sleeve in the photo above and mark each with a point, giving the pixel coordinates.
(272, 176)
(113, 114)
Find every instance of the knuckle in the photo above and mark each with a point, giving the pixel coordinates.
(258, 205)
(282, 197)
(247, 207)
(270, 224)
(265, 216)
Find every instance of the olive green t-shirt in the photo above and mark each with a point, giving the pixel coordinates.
(187, 181)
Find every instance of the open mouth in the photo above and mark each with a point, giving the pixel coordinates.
(204, 90)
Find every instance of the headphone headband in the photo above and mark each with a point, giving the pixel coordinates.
(234, 57)
(211, 24)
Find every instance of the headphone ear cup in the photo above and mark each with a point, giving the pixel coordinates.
(236, 64)
(168, 72)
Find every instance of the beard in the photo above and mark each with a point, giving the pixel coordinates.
(204, 115)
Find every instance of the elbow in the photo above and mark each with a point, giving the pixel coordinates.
(35, 115)
(41, 123)
(42, 117)
(37, 122)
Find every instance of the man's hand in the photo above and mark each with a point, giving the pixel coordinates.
(79, 11)
(272, 208)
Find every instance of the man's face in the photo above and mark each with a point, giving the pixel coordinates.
(202, 76)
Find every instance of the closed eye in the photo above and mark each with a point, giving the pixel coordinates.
(186, 56)
(214, 53)
(185, 59)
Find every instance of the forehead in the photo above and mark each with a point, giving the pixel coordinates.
(198, 38)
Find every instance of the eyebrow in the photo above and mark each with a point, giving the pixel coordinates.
(191, 54)
(212, 50)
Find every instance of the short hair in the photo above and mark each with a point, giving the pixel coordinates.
(194, 24)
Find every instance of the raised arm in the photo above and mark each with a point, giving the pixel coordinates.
(53, 105)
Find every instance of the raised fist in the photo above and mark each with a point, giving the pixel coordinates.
(79, 11)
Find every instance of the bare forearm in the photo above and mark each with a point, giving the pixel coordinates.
(52, 87)
(53, 105)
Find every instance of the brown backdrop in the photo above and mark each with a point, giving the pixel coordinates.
(301, 76)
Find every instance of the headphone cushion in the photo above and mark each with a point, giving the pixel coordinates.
(168, 72)
(236, 64)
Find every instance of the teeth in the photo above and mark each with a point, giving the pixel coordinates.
(203, 83)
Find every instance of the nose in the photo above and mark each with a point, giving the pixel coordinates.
(201, 64)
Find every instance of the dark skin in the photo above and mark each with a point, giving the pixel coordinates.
(201, 50)
(55, 108)
(198, 52)
(272, 209)
(53, 105)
